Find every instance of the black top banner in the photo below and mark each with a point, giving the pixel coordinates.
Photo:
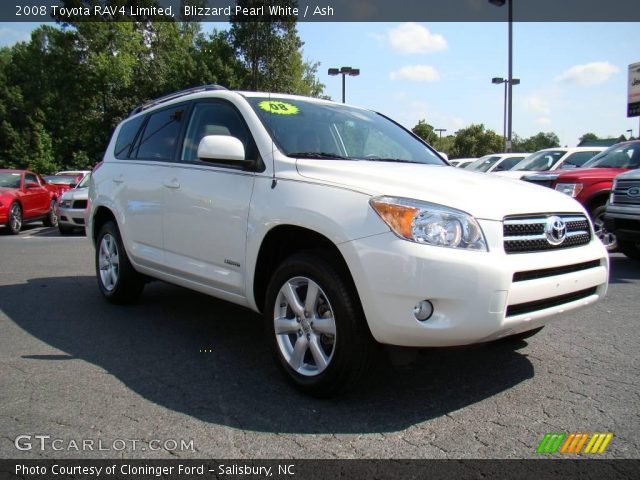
(321, 11)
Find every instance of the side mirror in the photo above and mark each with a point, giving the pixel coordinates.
(31, 185)
(221, 147)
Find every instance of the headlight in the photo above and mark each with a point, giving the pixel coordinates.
(571, 189)
(65, 204)
(428, 223)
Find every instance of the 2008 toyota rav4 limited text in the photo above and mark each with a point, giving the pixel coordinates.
(344, 229)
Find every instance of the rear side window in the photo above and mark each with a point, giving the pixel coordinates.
(126, 137)
(160, 136)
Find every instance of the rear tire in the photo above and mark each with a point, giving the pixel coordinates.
(316, 325)
(117, 279)
(607, 238)
(630, 249)
(52, 217)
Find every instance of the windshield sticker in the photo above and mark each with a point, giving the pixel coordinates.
(281, 108)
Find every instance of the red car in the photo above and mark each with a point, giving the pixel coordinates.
(25, 197)
(591, 185)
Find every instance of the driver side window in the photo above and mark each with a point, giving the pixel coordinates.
(216, 118)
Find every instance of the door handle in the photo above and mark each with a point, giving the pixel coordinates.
(173, 183)
(118, 178)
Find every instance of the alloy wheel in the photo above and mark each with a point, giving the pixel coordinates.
(305, 326)
(109, 262)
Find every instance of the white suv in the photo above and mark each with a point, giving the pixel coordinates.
(343, 228)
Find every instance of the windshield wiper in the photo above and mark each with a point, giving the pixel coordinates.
(316, 155)
(397, 160)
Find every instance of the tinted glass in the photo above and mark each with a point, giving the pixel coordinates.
(540, 161)
(483, 164)
(308, 129)
(127, 136)
(618, 156)
(509, 163)
(10, 180)
(577, 159)
(30, 178)
(216, 118)
(159, 138)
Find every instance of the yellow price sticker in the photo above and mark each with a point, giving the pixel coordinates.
(280, 108)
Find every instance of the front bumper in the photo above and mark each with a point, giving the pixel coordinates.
(71, 217)
(624, 226)
(474, 295)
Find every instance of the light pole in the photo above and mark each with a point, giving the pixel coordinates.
(440, 130)
(630, 133)
(344, 71)
(499, 81)
(501, 3)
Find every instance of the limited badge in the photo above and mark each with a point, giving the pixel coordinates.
(281, 108)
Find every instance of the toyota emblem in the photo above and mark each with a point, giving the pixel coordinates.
(555, 230)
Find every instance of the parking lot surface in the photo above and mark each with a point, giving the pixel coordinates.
(181, 366)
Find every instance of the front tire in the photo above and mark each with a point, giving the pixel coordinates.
(52, 217)
(630, 249)
(117, 279)
(316, 325)
(607, 238)
(14, 225)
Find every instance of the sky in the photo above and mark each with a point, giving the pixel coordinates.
(573, 75)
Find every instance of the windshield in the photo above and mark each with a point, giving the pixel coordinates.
(85, 181)
(10, 180)
(483, 164)
(540, 161)
(306, 129)
(618, 156)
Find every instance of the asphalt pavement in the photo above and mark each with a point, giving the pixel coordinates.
(184, 375)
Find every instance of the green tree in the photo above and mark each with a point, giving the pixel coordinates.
(587, 137)
(540, 141)
(425, 132)
(272, 52)
(475, 141)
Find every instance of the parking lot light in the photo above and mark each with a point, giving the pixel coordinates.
(344, 71)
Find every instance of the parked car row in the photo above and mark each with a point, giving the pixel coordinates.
(27, 197)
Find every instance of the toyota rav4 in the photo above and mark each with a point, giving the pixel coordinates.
(341, 227)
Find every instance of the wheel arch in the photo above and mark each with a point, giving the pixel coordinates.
(101, 216)
(283, 241)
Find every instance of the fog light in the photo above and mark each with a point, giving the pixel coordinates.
(423, 310)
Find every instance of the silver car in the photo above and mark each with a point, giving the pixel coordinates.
(71, 207)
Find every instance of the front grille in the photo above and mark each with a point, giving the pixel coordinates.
(551, 272)
(528, 307)
(80, 204)
(523, 234)
(78, 221)
(621, 195)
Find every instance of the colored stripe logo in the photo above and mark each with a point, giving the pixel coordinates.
(573, 443)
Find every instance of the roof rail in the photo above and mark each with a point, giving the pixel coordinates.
(171, 96)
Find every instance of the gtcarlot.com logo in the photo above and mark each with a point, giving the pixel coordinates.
(47, 442)
(574, 443)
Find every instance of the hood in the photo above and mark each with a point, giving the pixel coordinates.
(76, 194)
(483, 196)
(582, 175)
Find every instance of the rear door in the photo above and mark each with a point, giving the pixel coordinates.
(144, 151)
(205, 221)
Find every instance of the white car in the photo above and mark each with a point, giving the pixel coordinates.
(71, 207)
(462, 162)
(551, 159)
(496, 162)
(341, 227)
